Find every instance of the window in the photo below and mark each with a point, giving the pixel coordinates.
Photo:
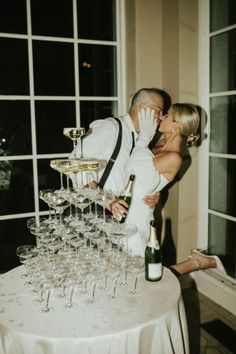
(221, 149)
(60, 66)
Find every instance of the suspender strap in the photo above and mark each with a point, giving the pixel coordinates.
(133, 144)
(113, 157)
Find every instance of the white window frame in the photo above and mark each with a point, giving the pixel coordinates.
(221, 289)
(120, 98)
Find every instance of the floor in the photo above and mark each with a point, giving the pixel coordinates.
(212, 329)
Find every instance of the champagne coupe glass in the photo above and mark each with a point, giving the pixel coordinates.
(61, 272)
(91, 165)
(114, 279)
(64, 166)
(36, 222)
(24, 253)
(81, 202)
(87, 166)
(70, 304)
(71, 282)
(74, 134)
(136, 267)
(59, 204)
(91, 278)
(55, 164)
(67, 166)
(38, 230)
(98, 200)
(123, 266)
(38, 287)
(91, 192)
(45, 194)
(75, 168)
(48, 285)
(107, 197)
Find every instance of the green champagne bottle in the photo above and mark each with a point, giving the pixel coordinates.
(153, 259)
(127, 195)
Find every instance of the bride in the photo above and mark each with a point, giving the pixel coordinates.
(154, 170)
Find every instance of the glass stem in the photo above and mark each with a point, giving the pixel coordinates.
(82, 215)
(61, 178)
(105, 281)
(104, 214)
(84, 290)
(135, 284)
(113, 294)
(46, 298)
(96, 210)
(60, 218)
(50, 213)
(74, 144)
(82, 182)
(70, 297)
(124, 281)
(67, 182)
(91, 299)
(75, 181)
(81, 148)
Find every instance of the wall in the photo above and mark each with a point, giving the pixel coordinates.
(162, 47)
(143, 45)
(188, 92)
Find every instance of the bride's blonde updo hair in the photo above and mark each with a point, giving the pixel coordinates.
(188, 118)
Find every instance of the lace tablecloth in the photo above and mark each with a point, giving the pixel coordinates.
(149, 322)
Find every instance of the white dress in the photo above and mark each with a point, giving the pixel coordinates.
(147, 181)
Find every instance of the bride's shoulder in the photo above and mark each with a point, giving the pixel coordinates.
(170, 159)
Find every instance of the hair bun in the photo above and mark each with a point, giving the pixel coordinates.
(192, 139)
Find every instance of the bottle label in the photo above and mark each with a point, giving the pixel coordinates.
(125, 195)
(154, 244)
(154, 270)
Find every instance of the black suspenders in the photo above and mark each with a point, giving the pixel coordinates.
(113, 156)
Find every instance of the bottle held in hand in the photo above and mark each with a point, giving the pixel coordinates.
(127, 195)
(153, 259)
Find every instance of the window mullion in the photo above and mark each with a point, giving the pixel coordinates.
(32, 110)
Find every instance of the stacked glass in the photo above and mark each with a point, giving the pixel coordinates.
(82, 253)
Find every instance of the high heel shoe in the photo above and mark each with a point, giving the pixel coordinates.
(219, 266)
(204, 251)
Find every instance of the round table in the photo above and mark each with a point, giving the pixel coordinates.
(150, 322)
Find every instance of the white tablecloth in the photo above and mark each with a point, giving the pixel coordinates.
(149, 322)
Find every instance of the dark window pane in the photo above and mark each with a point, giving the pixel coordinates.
(97, 70)
(14, 70)
(222, 187)
(53, 68)
(96, 19)
(90, 111)
(51, 118)
(15, 128)
(52, 18)
(222, 242)
(13, 16)
(223, 62)
(223, 125)
(223, 13)
(48, 179)
(16, 188)
(13, 233)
